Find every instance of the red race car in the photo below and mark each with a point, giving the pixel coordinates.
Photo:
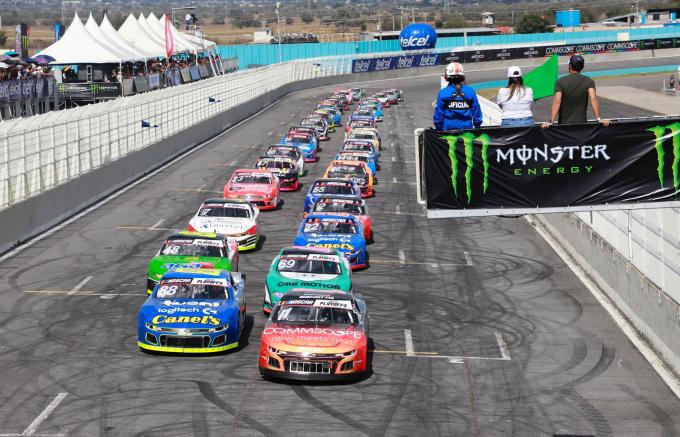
(335, 205)
(316, 335)
(260, 187)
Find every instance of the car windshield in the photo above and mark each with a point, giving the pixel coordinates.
(339, 205)
(335, 226)
(224, 210)
(317, 264)
(360, 136)
(310, 314)
(345, 169)
(283, 151)
(251, 179)
(193, 247)
(174, 290)
(274, 164)
(358, 146)
(332, 188)
(350, 157)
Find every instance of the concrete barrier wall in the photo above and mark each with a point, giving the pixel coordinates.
(653, 312)
(36, 214)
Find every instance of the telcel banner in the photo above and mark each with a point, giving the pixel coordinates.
(494, 171)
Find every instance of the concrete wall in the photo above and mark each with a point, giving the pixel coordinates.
(36, 214)
(654, 313)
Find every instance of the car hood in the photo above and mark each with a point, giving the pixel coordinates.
(188, 313)
(162, 263)
(222, 225)
(341, 242)
(303, 338)
(249, 189)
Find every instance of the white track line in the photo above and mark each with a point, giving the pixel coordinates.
(394, 180)
(629, 330)
(397, 210)
(468, 259)
(408, 343)
(32, 428)
(402, 257)
(505, 352)
(80, 285)
(394, 159)
(156, 225)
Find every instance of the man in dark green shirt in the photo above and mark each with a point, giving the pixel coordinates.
(572, 93)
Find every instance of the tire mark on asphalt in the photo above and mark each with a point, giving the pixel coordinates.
(304, 394)
(209, 394)
(661, 418)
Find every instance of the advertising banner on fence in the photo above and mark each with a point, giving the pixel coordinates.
(573, 167)
(394, 63)
(89, 91)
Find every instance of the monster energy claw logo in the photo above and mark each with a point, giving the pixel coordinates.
(660, 136)
(94, 88)
(468, 139)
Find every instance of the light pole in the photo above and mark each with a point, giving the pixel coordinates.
(278, 25)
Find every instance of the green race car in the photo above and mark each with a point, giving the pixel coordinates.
(193, 250)
(306, 267)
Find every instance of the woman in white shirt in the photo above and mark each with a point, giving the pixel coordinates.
(515, 101)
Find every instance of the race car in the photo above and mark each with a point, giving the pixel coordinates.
(260, 187)
(199, 250)
(305, 142)
(356, 171)
(193, 311)
(302, 130)
(313, 335)
(362, 146)
(357, 93)
(344, 233)
(337, 187)
(284, 168)
(292, 152)
(346, 94)
(376, 107)
(392, 96)
(398, 92)
(339, 101)
(382, 98)
(239, 220)
(352, 124)
(335, 113)
(359, 156)
(319, 125)
(365, 115)
(308, 267)
(320, 114)
(365, 134)
(343, 206)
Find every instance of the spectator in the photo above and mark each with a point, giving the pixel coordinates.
(515, 100)
(671, 82)
(187, 21)
(457, 106)
(194, 20)
(572, 92)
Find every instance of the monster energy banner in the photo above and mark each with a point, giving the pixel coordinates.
(582, 167)
(89, 91)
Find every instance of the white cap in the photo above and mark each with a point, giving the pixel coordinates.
(454, 69)
(514, 71)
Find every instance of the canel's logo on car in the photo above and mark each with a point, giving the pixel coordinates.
(417, 36)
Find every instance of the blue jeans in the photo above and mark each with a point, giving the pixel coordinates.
(517, 122)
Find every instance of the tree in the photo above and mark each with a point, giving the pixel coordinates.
(3, 38)
(453, 21)
(533, 23)
(306, 17)
(289, 21)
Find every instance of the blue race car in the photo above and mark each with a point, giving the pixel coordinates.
(362, 146)
(343, 155)
(343, 232)
(193, 311)
(339, 187)
(305, 142)
(334, 111)
(376, 107)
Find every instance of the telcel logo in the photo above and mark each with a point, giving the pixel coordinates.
(413, 41)
(362, 66)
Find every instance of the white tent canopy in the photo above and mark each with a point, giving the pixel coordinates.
(103, 39)
(112, 34)
(152, 34)
(77, 46)
(200, 44)
(181, 44)
(134, 34)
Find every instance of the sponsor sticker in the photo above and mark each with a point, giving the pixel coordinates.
(199, 303)
(313, 331)
(213, 243)
(327, 303)
(209, 281)
(203, 320)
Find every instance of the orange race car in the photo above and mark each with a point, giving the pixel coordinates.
(257, 186)
(356, 171)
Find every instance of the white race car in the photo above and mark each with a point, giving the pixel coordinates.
(239, 220)
(286, 151)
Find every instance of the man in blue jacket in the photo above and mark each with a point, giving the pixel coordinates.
(457, 105)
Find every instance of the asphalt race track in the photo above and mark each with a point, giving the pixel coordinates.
(478, 327)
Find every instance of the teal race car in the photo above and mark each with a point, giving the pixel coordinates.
(306, 267)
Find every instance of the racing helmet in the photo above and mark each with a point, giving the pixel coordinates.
(454, 69)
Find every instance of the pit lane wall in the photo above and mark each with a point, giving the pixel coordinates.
(633, 256)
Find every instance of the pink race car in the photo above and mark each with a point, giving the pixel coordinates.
(258, 186)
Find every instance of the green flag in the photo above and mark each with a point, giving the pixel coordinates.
(542, 78)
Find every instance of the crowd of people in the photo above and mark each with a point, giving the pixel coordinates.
(24, 71)
(457, 105)
(293, 38)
